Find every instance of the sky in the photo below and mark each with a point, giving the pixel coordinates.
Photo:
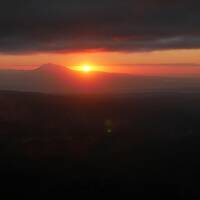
(132, 36)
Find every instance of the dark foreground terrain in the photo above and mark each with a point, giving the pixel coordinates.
(144, 144)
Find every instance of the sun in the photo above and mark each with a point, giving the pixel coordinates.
(87, 68)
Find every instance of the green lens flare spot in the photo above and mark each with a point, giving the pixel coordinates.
(109, 131)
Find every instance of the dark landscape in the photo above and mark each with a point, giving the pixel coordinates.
(145, 143)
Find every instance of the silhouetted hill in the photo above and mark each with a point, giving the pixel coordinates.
(53, 68)
(56, 79)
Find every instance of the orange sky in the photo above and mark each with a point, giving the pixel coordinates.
(176, 61)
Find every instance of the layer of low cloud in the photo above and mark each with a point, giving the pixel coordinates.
(31, 26)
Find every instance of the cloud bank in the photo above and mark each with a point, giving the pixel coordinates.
(32, 26)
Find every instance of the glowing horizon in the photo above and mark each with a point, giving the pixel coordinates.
(168, 62)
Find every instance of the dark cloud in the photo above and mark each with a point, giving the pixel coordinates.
(28, 26)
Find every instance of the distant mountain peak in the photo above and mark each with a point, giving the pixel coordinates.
(50, 67)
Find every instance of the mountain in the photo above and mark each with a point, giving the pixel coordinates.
(56, 79)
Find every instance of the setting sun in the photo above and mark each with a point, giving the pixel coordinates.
(86, 68)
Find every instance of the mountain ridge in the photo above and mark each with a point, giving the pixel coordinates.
(58, 79)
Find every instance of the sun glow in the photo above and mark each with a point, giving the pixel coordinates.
(86, 68)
